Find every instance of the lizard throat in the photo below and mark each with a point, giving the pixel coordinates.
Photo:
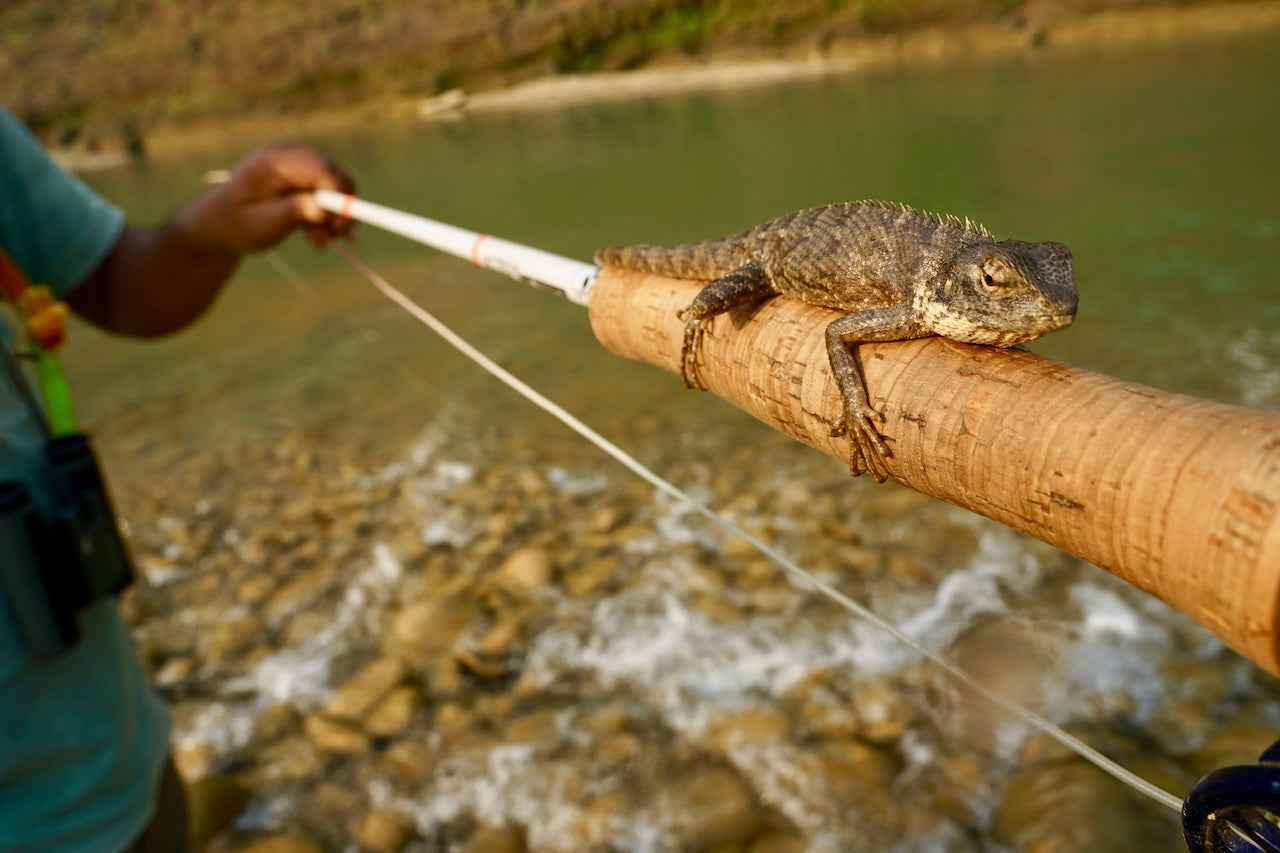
(946, 320)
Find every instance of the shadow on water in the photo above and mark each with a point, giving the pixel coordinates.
(313, 483)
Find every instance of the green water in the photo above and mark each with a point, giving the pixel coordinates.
(1154, 163)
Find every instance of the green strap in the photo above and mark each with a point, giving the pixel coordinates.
(55, 390)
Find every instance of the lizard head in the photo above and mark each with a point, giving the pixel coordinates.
(1005, 293)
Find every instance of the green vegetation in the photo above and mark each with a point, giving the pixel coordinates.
(92, 69)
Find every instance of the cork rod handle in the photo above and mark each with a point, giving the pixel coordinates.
(1176, 495)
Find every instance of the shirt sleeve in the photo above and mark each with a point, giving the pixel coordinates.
(54, 227)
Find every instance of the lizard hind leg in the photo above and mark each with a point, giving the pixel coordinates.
(743, 286)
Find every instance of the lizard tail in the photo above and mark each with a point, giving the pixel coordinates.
(707, 260)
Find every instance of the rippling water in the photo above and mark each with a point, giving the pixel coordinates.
(1154, 163)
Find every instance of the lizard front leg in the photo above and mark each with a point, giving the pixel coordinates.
(743, 286)
(867, 448)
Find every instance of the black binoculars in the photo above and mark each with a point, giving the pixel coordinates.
(54, 564)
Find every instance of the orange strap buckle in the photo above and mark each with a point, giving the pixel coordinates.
(45, 317)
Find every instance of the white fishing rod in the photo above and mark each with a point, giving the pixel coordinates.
(572, 279)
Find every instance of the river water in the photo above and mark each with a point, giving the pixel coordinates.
(307, 466)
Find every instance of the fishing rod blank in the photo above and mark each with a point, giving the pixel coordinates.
(571, 279)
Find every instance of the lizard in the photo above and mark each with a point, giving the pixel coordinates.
(897, 272)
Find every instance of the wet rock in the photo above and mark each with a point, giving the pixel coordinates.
(407, 760)
(366, 688)
(617, 749)
(255, 590)
(1232, 747)
(746, 728)
(537, 727)
(709, 806)
(194, 759)
(492, 839)
(303, 626)
(335, 736)
(298, 590)
(228, 638)
(384, 831)
(213, 803)
(275, 722)
(778, 842)
(527, 568)
(175, 671)
(428, 628)
(281, 844)
(290, 759)
(1068, 805)
(883, 712)
(591, 577)
(394, 714)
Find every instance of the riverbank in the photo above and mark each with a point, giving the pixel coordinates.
(94, 136)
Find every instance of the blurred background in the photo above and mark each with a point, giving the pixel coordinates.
(394, 607)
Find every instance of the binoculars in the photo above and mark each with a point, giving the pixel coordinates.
(54, 564)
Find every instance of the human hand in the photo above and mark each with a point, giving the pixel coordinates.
(266, 197)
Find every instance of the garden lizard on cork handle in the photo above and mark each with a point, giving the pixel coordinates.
(898, 273)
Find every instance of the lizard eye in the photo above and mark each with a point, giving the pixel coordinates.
(996, 275)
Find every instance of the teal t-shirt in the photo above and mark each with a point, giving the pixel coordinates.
(82, 736)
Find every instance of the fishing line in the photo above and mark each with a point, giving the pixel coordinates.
(1028, 716)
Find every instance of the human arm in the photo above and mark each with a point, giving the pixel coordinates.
(158, 280)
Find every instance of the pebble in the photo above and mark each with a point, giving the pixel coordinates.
(408, 760)
(213, 803)
(395, 713)
(366, 688)
(281, 844)
(383, 831)
(709, 806)
(330, 735)
(527, 568)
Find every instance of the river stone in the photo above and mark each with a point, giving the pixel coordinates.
(289, 760)
(709, 806)
(366, 688)
(336, 736)
(281, 844)
(194, 759)
(729, 731)
(529, 567)
(427, 629)
(225, 639)
(778, 842)
(394, 714)
(213, 803)
(492, 839)
(383, 831)
(255, 589)
(408, 760)
(275, 722)
(298, 590)
(175, 671)
(1070, 805)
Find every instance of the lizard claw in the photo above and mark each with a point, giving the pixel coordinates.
(867, 448)
(693, 332)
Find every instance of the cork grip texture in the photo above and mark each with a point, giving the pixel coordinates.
(1176, 495)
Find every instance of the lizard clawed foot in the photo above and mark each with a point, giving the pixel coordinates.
(867, 448)
(693, 332)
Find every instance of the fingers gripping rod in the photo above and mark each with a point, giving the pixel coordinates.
(571, 279)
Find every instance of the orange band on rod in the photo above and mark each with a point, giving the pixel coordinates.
(346, 207)
(475, 249)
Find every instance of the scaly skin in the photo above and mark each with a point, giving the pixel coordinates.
(898, 274)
